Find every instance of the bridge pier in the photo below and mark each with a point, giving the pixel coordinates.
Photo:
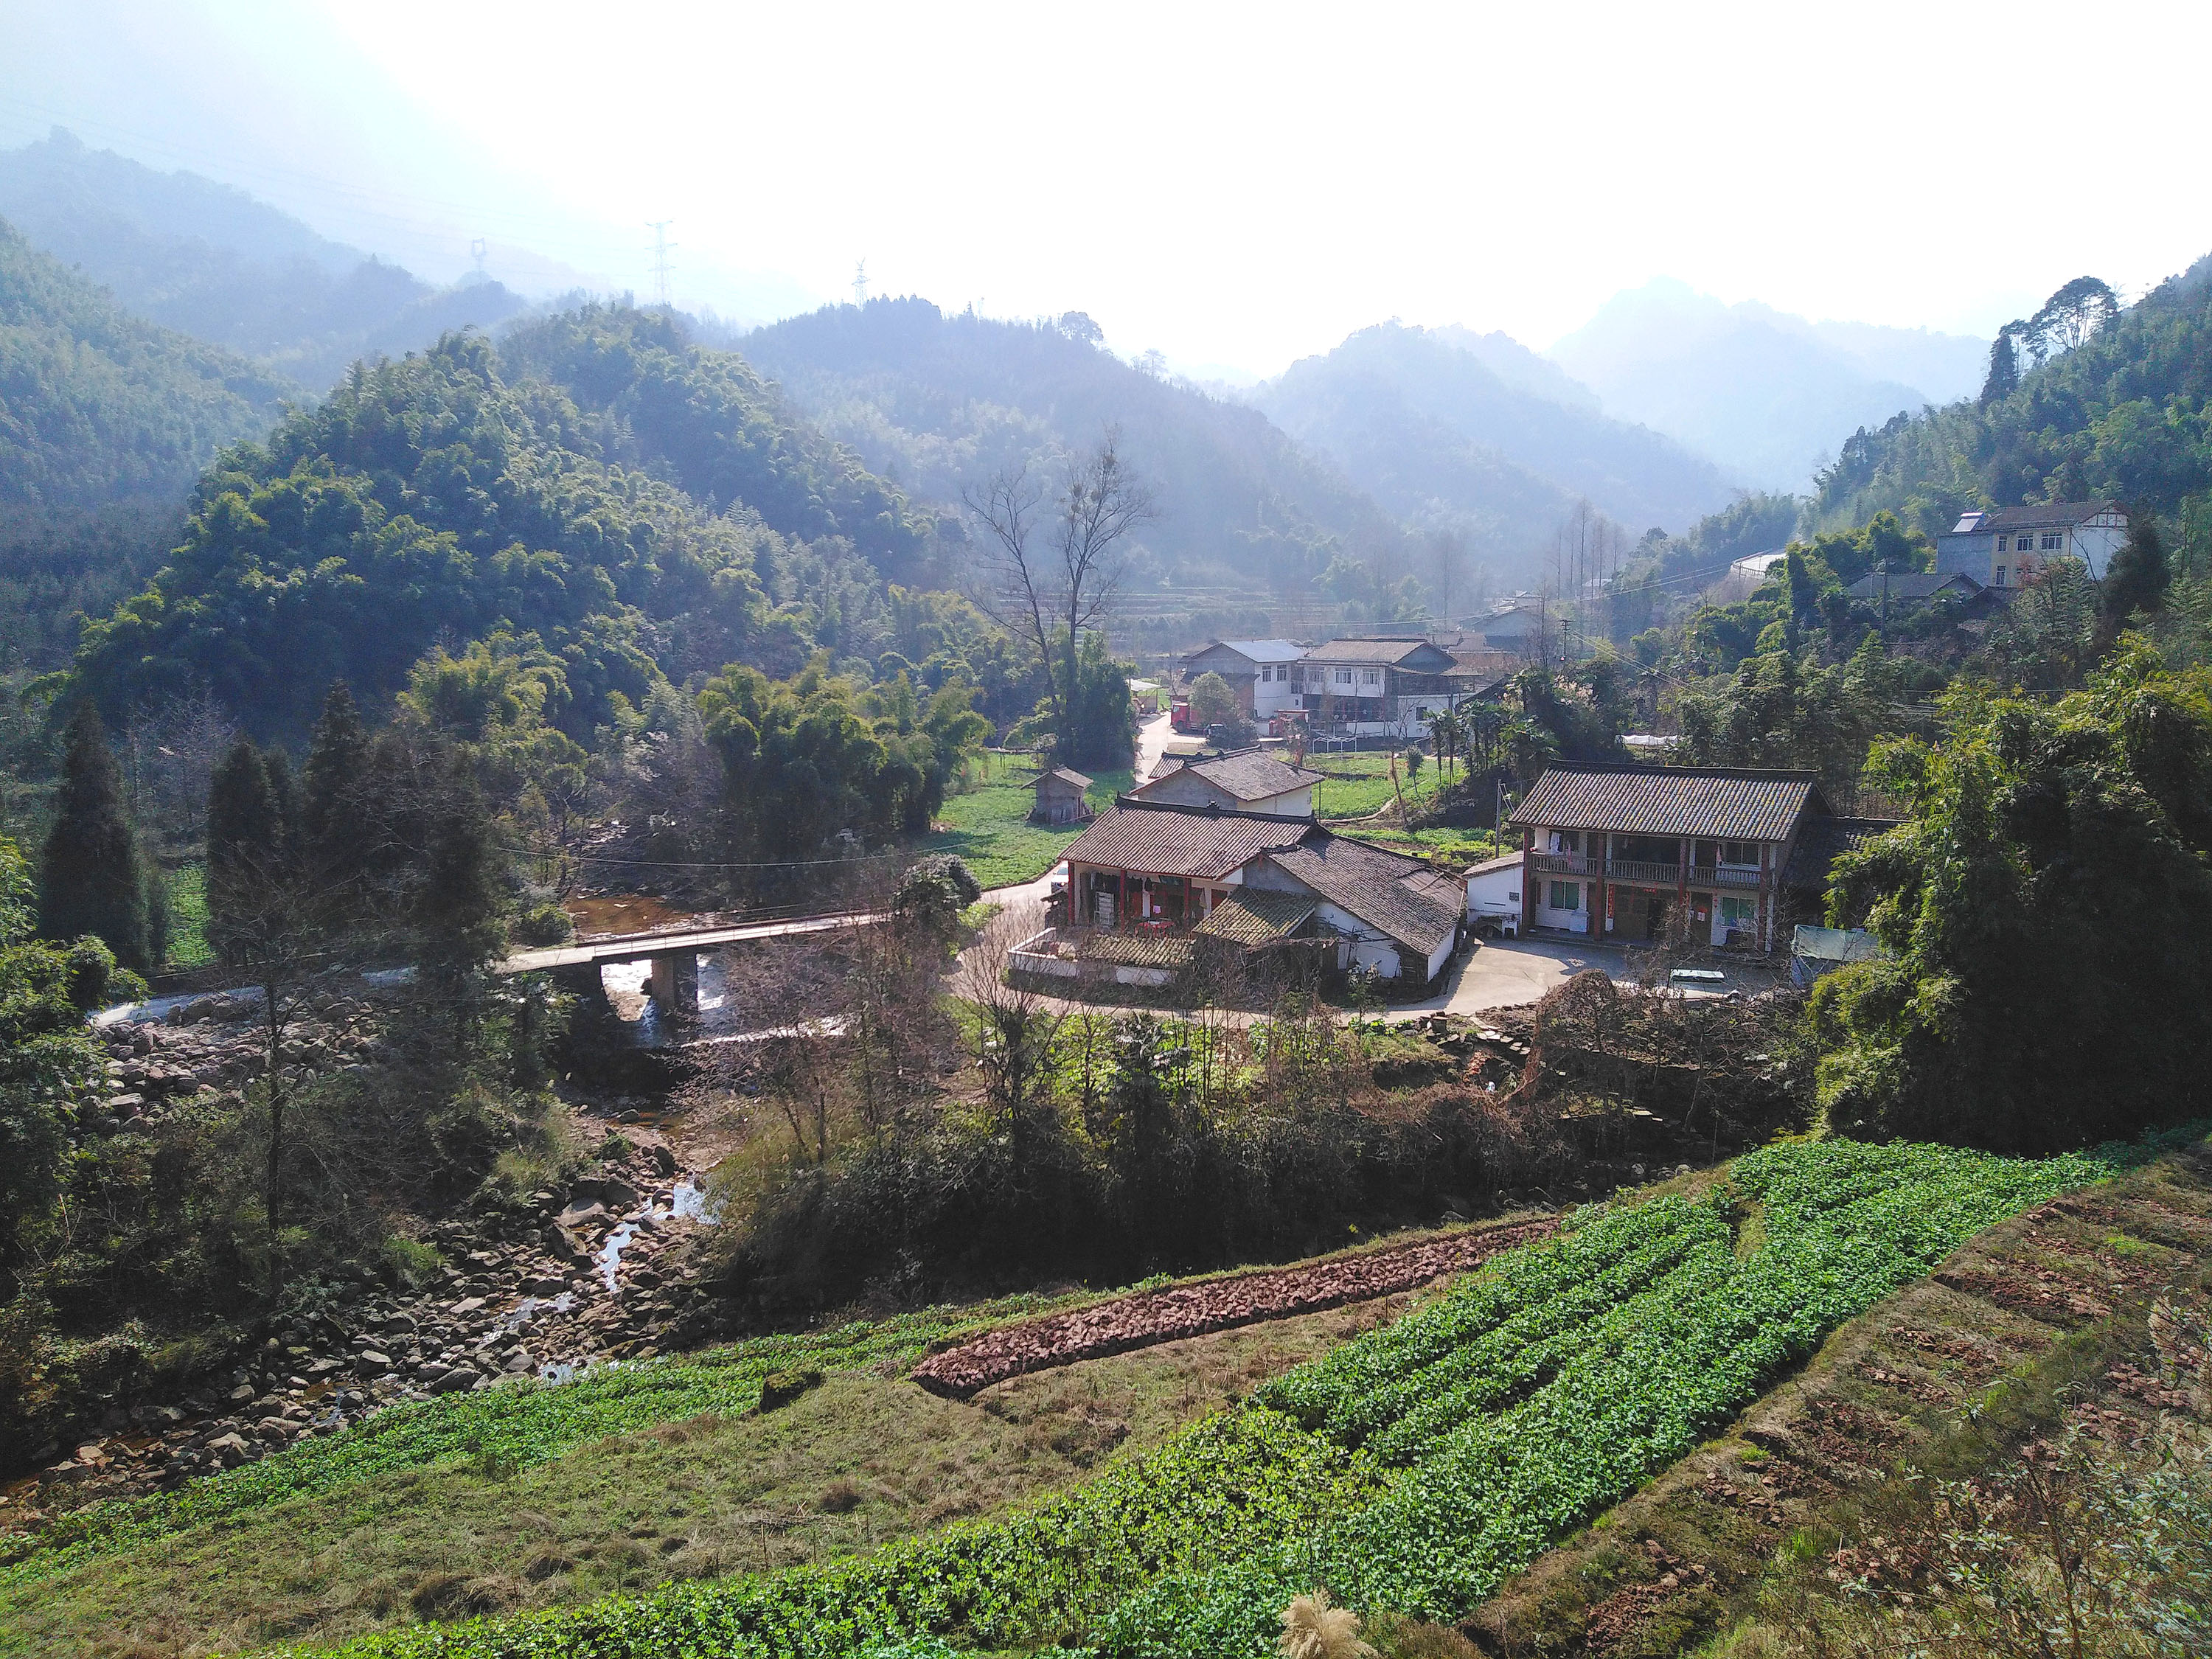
(675, 982)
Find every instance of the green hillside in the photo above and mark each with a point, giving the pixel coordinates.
(942, 402)
(2123, 415)
(539, 488)
(97, 405)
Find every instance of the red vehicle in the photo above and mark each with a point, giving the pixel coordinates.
(1179, 717)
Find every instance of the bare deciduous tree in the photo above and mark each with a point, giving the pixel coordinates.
(1070, 582)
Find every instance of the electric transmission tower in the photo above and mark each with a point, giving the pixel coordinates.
(860, 283)
(477, 249)
(663, 266)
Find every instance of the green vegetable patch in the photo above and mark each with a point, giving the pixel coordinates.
(1410, 1469)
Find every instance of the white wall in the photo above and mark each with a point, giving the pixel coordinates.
(1494, 892)
(1574, 922)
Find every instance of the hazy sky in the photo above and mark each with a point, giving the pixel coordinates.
(1236, 185)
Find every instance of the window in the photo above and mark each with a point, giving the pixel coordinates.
(2000, 581)
(1740, 912)
(2001, 544)
(2051, 540)
(1344, 677)
(1566, 895)
(1744, 853)
(1372, 677)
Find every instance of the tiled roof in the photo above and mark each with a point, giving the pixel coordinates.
(1137, 949)
(1260, 650)
(1826, 840)
(1248, 775)
(1066, 775)
(1718, 803)
(1251, 916)
(1398, 896)
(1165, 840)
(2050, 513)
(1370, 651)
(1912, 585)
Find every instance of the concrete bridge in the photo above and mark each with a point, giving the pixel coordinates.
(673, 953)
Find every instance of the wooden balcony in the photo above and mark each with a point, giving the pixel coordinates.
(1562, 864)
(1643, 875)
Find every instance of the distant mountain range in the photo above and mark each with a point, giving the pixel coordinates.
(939, 402)
(97, 405)
(1455, 430)
(1768, 396)
(213, 262)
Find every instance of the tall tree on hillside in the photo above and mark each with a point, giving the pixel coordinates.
(249, 843)
(2070, 317)
(2004, 378)
(95, 876)
(1050, 595)
(335, 828)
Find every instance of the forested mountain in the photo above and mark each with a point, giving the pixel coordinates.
(1767, 396)
(212, 262)
(97, 405)
(939, 403)
(2126, 414)
(540, 494)
(1442, 438)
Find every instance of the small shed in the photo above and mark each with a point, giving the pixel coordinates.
(1060, 797)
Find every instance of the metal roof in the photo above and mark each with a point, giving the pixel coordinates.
(1153, 840)
(1247, 775)
(1716, 803)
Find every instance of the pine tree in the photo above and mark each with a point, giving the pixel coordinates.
(248, 837)
(332, 825)
(92, 877)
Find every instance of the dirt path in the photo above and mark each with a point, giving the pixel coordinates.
(1216, 1304)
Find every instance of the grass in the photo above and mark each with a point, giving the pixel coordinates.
(188, 917)
(1358, 785)
(989, 825)
(864, 1459)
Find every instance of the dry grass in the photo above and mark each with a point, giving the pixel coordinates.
(863, 1459)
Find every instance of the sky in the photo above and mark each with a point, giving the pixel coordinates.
(1234, 185)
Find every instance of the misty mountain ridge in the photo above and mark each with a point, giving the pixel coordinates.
(213, 262)
(97, 405)
(1767, 395)
(1423, 420)
(939, 402)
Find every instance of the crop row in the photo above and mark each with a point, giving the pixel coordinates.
(1413, 1468)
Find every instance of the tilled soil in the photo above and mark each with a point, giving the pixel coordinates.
(1218, 1305)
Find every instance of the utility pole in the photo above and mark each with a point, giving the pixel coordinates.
(663, 266)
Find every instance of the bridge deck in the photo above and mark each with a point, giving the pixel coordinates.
(639, 947)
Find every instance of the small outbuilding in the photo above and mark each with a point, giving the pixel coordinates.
(1060, 797)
